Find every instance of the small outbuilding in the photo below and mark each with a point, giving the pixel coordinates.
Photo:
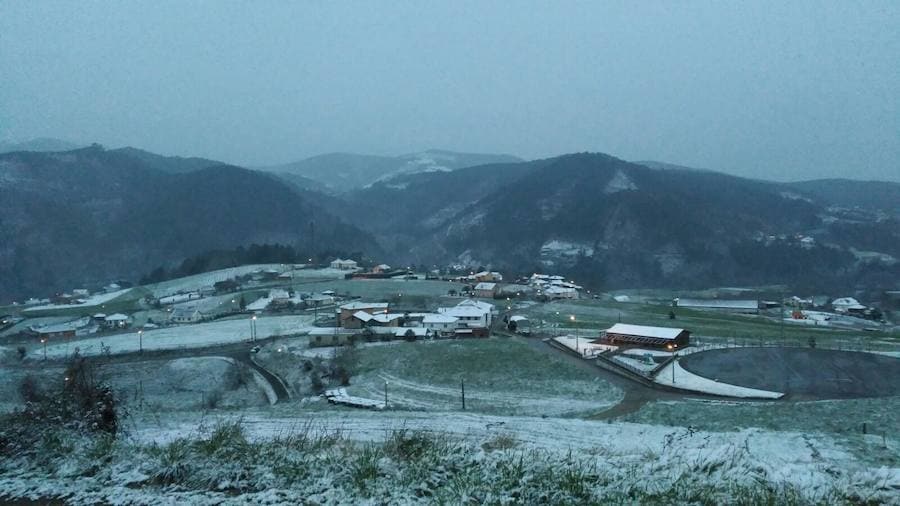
(486, 290)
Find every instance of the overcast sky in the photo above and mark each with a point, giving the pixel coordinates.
(782, 90)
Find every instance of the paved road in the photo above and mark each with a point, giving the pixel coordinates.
(277, 384)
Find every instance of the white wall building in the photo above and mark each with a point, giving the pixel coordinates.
(470, 313)
(344, 265)
(443, 324)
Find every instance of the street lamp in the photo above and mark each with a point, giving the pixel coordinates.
(577, 346)
(141, 341)
(673, 347)
(44, 342)
(253, 328)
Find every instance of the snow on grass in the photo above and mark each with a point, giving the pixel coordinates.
(583, 346)
(501, 375)
(198, 281)
(93, 300)
(188, 383)
(687, 380)
(181, 337)
(617, 457)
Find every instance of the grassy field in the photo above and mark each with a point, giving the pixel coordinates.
(501, 375)
(125, 303)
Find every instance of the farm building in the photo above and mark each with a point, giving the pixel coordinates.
(347, 311)
(623, 334)
(63, 330)
(847, 305)
(561, 292)
(747, 306)
(344, 265)
(486, 290)
(116, 321)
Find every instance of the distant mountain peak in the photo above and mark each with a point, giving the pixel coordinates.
(344, 172)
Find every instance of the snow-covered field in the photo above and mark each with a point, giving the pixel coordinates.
(183, 336)
(94, 300)
(509, 456)
(198, 281)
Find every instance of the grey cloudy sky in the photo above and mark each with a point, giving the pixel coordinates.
(784, 90)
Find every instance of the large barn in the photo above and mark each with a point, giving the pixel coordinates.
(623, 334)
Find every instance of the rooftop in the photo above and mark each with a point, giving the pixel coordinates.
(644, 331)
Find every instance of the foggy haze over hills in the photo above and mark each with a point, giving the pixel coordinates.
(762, 90)
(380, 252)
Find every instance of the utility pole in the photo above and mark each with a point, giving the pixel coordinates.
(781, 310)
(462, 388)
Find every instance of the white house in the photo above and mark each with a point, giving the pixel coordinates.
(186, 315)
(847, 304)
(470, 313)
(441, 324)
(560, 292)
(344, 265)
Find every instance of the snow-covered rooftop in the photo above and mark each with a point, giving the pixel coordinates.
(438, 318)
(717, 303)
(485, 286)
(644, 331)
(350, 306)
(462, 311)
(484, 306)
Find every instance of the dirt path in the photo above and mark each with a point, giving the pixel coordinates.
(636, 394)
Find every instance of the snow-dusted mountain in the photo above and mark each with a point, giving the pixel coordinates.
(90, 215)
(344, 172)
(614, 223)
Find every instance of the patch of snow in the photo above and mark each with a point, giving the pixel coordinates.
(620, 182)
(180, 337)
(93, 300)
(687, 380)
(583, 345)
